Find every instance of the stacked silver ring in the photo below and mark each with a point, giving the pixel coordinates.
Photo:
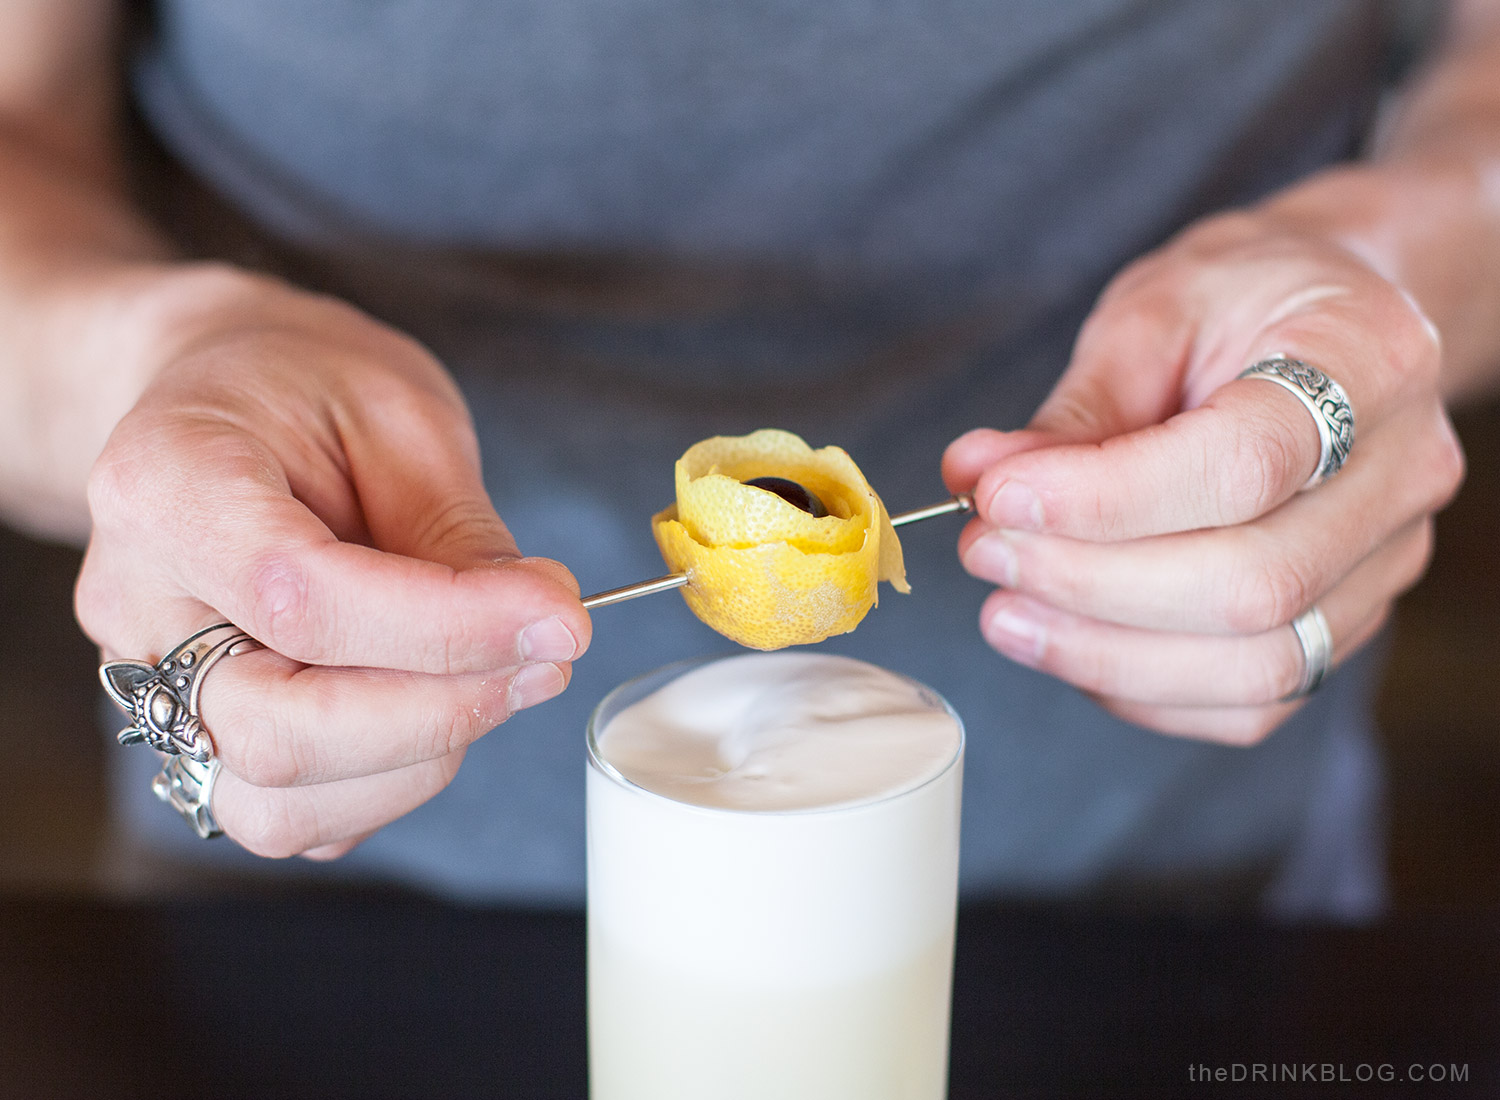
(1324, 398)
(162, 702)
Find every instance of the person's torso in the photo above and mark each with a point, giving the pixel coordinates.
(619, 221)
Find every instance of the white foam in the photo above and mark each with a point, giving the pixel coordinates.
(780, 732)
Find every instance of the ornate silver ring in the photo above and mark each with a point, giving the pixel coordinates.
(188, 787)
(1316, 641)
(1327, 402)
(162, 702)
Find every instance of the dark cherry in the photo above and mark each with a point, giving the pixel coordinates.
(792, 493)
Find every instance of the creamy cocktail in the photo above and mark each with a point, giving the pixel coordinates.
(773, 863)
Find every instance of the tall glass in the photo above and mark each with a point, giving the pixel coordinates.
(747, 955)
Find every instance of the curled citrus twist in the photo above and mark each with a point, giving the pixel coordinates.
(762, 571)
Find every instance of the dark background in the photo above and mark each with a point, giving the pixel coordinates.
(1440, 712)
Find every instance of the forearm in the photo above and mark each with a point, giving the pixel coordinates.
(75, 262)
(92, 299)
(1424, 207)
(71, 252)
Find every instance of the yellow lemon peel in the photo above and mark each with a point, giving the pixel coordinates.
(761, 571)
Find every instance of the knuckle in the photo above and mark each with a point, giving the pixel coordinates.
(1260, 472)
(189, 288)
(1377, 622)
(328, 853)
(1448, 464)
(285, 615)
(1251, 725)
(1413, 343)
(261, 767)
(267, 828)
(1129, 313)
(1237, 727)
(1091, 669)
(1127, 282)
(1276, 671)
(423, 403)
(1207, 238)
(1103, 516)
(453, 730)
(1263, 596)
(1096, 512)
(260, 749)
(439, 773)
(95, 600)
(114, 489)
(1060, 584)
(463, 648)
(1417, 555)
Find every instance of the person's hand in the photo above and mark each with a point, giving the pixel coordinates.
(311, 476)
(1146, 529)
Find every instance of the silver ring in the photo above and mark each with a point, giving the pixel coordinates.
(1327, 402)
(1316, 641)
(162, 701)
(187, 786)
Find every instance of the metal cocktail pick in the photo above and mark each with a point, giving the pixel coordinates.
(963, 502)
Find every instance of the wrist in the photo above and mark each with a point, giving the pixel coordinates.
(84, 342)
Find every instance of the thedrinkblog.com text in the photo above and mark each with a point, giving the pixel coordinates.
(1332, 1073)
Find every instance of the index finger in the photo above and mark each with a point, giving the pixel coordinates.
(279, 724)
(1185, 443)
(263, 560)
(1246, 449)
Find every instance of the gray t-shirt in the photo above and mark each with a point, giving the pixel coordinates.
(628, 225)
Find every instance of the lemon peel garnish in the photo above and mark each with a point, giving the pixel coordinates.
(761, 571)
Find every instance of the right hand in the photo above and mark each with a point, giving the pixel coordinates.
(312, 476)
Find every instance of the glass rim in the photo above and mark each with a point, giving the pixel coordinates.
(671, 671)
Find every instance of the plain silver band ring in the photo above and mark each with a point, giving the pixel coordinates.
(1325, 399)
(1316, 641)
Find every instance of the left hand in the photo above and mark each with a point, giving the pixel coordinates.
(1146, 528)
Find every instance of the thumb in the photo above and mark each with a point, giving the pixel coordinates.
(416, 472)
(419, 482)
(1127, 371)
(968, 457)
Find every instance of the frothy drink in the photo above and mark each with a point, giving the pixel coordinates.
(773, 866)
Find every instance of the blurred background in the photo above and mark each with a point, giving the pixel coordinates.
(1440, 713)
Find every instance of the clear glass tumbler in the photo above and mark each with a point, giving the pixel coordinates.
(747, 955)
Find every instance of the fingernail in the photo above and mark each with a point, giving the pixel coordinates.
(992, 558)
(532, 685)
(548, 640)
(1016, 505)
(1017, 636)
